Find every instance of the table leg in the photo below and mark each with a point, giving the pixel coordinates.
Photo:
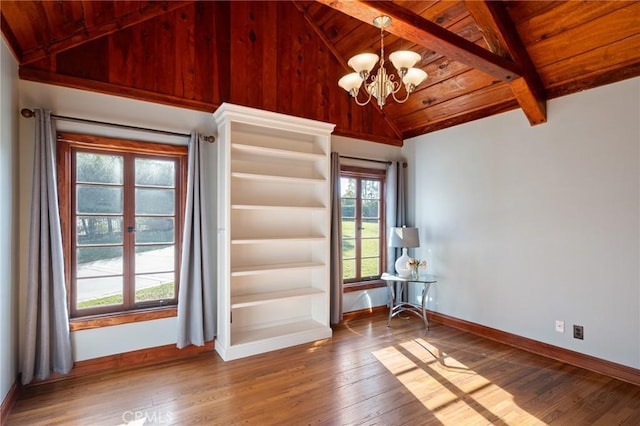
(392, 298)
(425, 291)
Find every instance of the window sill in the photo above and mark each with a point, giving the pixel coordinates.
(362, 285)
(97, 321)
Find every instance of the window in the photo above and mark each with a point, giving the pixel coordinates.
(121, 205)
(363, 236)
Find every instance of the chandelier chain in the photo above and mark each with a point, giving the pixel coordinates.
(381, 46)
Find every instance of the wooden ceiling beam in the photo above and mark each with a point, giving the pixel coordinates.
(464, 117)
(410, 26)
(502, 37)
(151, 10)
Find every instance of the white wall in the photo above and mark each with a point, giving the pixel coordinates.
(8, 219)
(105, 341)
(528, 225)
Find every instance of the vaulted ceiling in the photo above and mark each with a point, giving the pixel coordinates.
(482, 57)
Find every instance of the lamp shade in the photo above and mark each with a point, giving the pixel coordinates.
(363, 62)
(414, 77)
(350, 81)
(404, 59)
(404, 237)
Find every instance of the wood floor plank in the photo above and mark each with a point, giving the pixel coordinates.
(366, 374)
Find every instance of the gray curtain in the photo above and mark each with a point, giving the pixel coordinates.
(396, 215)
(196, 298)
(395, 207)
(47, 342)
(335, 269)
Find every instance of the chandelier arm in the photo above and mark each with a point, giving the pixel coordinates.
(362, 103)
(397, 85)
(400, 101)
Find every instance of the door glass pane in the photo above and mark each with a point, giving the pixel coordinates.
(150, 287)
(98, 168)
(370, 209)
(347, 187)
(98, 199)
(370, 228)
(348, 269)
(348, 228)
(348, 248)
(370, 189)
(99, 261)
(94, 230)
(155, 172)
(370, 247)
(348, 207)
(98, 292)
(370, 267)
(155, 201)
(154, 258)
(155, 229)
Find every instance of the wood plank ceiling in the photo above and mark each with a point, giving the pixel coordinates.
(482, 57)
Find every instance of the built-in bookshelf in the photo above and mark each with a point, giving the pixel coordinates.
(273, 231)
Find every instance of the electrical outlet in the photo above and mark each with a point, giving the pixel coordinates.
(578, 332)
(560, 326)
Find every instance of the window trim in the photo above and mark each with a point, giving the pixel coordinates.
(67, 142)
(107, 320)
(362, 285)
(364, 172)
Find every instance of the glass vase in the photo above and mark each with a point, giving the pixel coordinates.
(414, 273)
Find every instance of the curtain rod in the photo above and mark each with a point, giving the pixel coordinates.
(27, 113)
(369, 160)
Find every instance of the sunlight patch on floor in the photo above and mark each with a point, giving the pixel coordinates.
(314, 346)
(414, 378)
(447, 387)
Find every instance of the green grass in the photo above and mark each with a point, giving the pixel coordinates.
(369, 248)
(160, 292)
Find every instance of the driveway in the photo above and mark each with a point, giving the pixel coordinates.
(151, 271)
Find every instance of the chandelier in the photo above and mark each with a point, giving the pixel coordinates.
(382, 84)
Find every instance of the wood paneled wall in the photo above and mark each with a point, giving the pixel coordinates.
(258, 54)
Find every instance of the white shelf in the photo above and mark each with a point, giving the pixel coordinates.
(280, 153)
(276, 178)
(273, 229)
(248, 300)
(275, 207)
(261, 269)
(267, 240)
(262, 334)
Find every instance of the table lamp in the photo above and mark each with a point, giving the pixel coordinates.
(404, 238)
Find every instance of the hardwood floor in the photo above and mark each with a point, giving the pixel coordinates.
(366, 374)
